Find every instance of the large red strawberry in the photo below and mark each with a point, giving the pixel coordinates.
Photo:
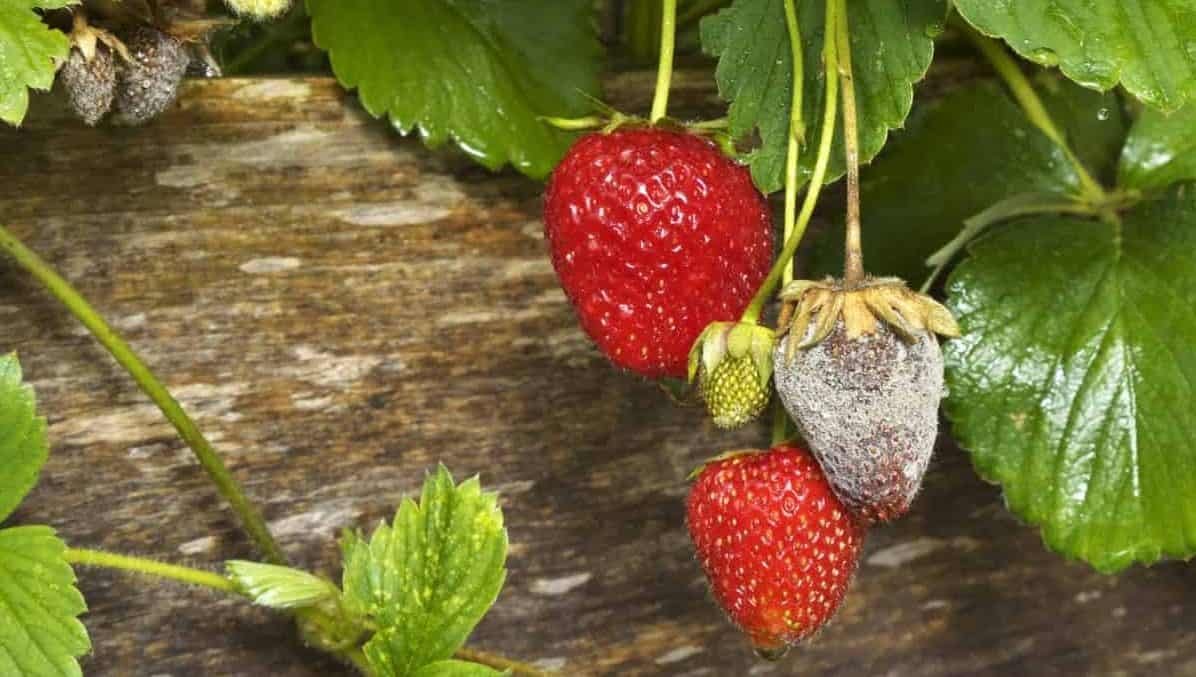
(777, 546)
(654, 235)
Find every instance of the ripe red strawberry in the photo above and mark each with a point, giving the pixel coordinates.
(777, 546)
(654, 235)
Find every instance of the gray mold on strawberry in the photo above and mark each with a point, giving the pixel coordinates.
(150, 82)
(868, 408)
(90, 84)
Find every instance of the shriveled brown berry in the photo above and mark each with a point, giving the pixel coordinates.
(150, 82)
(90, 84)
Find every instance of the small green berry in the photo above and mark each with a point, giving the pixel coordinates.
(733, 392)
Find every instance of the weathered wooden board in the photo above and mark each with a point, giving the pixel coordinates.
(342, 309)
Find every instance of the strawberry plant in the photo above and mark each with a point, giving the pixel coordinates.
(1016, 245)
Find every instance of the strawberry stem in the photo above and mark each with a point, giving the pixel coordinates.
(149, 567)
(1032, 106)
(780, 423)
(853, 266)
(251, 519)
(499, 662)
(797, 130)
(664, 72)
(826, 135)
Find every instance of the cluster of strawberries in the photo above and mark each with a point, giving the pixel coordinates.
(660, 242)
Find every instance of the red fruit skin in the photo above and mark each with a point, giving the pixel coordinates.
(655, 234)
(777, 546)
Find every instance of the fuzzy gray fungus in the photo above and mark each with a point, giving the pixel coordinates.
(90, 85)
(868, 408)
(150, 83)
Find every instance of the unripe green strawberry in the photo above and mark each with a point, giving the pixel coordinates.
(259, 9)
(150, 81)
(733, 393)
(90, 84)
(861, 374)
(733, 365)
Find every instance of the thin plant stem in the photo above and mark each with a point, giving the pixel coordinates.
(149, 567)
(780, 423)
(716, 123)
(664, 69)
(499, 662)
(577, 124)
(853, 253)
(1031, 104)
(797, 129)
(821, 161)
(226, 484)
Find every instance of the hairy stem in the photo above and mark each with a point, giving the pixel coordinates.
(797, 130)
(499, 662)
(149, 567)
(853, 252)
(251, 519)
(821, 161)
(664, 72)
(1023, 92)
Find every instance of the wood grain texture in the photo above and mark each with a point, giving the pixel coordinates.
(341, 309)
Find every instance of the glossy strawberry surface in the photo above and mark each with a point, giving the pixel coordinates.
(654, 234)
(777, 546)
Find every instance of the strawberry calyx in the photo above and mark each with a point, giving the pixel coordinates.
(811, 309)
(85, 37)
(609, 120)
(724, 456)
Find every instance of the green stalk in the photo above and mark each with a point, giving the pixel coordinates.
(149, 567)
(226, 484)
(853, 252)
(1032, 105)
(826, 135)
(664, 69)
(214, 581)
(780, 423)
(797, 130)
(501, 663)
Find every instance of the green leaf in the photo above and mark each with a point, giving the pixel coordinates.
(40, 633)
(1074, 385)
(891, 46)
(1149, 46)
(1161, 150)
(427, 580)
(456, 669)
(23, 448)
(1093, 123)
(28, 52)
(279, 587)
(958, 156)
(478, 72)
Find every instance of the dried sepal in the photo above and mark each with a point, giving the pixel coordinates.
(85, 38)
(811, 310)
